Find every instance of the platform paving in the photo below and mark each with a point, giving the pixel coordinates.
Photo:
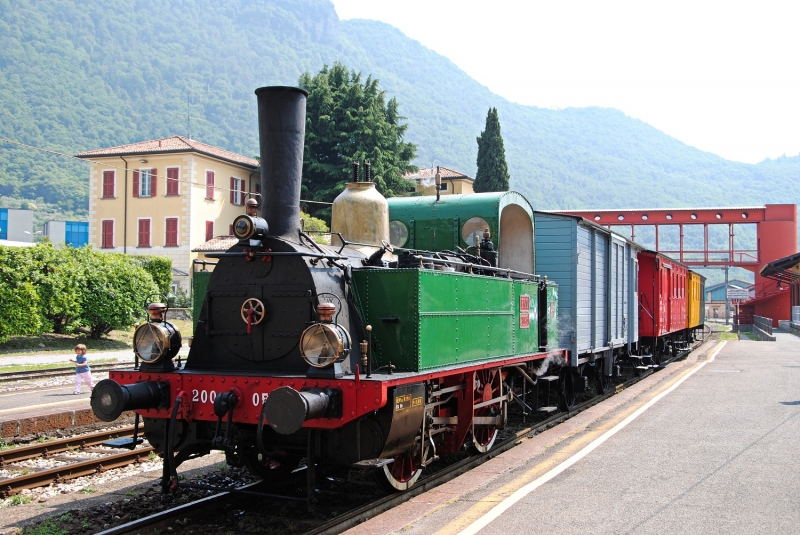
(718, 454)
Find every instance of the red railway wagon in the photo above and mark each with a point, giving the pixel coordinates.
(662, 300)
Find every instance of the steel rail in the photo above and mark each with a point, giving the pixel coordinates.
(13, 485)
(53, 447)
(166, 518)
(56, 372)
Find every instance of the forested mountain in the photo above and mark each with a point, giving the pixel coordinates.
(79, 75)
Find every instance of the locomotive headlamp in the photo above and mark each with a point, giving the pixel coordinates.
(247, 227)
(324, 343)
(156, 340)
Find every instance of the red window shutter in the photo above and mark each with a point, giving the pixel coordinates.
(172, 181)
(108, 184)
(233, 191)
(209, 184)
(209, 230)
(108, 235)
(144, 233)
(136, 183)
(153, 182)
(172, 232)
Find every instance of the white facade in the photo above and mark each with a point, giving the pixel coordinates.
(20, 226)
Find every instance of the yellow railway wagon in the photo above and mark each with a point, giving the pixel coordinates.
(694, 300)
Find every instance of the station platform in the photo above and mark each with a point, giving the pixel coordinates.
(39, 406)
(707, 445)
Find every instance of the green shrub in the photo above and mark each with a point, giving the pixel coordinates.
(116, 292)
(159, 268)
(58, 278)
(59, 289)
(19, 301)
(315, 228)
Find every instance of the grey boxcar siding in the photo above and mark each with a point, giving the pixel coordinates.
(556, 257)
(593, 268)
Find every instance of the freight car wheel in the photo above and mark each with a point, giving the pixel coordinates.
(399, 475)
(271, 470)
(566, 389)
(487, 387)
(603, 382)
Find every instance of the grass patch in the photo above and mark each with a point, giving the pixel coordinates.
(47, 342)
(19, 499)
(9, 368)
(87, 490)
(51, 526)
(728, 336)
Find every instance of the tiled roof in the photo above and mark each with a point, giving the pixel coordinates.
(168, 145)
(430, 173)
(220, 243)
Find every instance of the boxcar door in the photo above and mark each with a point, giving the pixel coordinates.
(664, 298)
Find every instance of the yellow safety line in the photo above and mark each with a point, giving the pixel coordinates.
(469, 521)
(31, 407)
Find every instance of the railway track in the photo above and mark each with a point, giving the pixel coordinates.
(6, 377)
(26, 479)
(209, 507)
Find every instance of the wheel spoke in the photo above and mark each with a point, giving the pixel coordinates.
(487, 388)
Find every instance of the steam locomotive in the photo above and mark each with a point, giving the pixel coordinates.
(343, 354)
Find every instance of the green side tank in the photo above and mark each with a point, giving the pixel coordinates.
(426, 319)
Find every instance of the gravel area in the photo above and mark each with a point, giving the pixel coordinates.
(93, 503)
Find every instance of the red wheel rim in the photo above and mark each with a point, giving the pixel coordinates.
(487, 388)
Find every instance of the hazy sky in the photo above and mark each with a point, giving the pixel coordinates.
(722, 76)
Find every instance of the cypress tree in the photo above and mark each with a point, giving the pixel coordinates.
(492, 172)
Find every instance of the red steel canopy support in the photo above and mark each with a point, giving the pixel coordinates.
(776, 237)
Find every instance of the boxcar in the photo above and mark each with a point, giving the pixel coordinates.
(663, 314)
(595, 270)
(696, 306)
(694, 300)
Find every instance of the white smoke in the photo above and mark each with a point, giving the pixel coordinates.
(427, 181)
(557, 360)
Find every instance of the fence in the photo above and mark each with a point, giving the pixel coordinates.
(765, 324)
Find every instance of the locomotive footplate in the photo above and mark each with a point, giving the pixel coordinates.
(200, 390)
(359, 396)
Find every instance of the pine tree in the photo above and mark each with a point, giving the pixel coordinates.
(492, 172)
(346, 121)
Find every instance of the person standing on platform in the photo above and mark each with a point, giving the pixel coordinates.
(82, 371)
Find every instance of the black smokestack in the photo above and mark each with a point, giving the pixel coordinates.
(281, 130)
